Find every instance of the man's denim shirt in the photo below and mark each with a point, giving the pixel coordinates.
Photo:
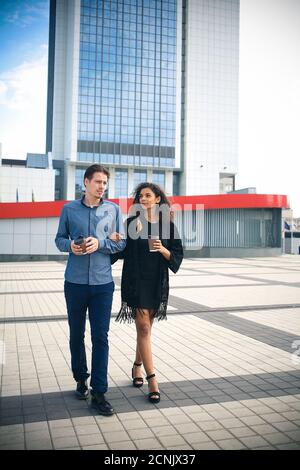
(78, 219)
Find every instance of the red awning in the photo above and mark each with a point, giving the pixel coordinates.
(29, 210)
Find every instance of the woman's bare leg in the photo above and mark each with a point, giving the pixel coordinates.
(138, 357)
(143, 324)
(138, 360)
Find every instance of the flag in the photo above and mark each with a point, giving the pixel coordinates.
(286, 226)
(17, 195)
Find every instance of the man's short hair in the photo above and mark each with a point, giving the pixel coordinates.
(89, 172)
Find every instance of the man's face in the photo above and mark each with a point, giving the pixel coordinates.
(97, 185)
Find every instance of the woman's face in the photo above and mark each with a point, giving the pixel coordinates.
(147, 198)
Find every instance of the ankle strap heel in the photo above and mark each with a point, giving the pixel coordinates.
(153, 397)
(150, 376)
(137, 381)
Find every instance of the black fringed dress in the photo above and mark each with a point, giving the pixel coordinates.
(145, 276)
(149, 267)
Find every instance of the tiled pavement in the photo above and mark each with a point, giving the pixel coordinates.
(227, 362)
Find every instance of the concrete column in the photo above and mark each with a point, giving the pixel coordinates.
(169, 182)
(111, 183)
(130, 181)
(69, 186)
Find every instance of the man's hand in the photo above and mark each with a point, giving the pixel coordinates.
(115, 237)
(92, 244)
(76, 249)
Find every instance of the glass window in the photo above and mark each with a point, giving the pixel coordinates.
(79, 186)
(123, 74)
(176, 181)
(159, 178)
(57, 194)
(121, 183)
(139, 176)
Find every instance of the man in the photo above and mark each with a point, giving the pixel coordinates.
(88, 280)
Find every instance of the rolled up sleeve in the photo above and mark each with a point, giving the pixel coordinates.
(62, 239)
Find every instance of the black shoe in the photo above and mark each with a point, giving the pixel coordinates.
(98, 401)
(153, 397)
(82, 391)
(137, 381)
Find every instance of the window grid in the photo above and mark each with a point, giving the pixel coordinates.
(121, 183)
(139, 176)
(127, 79)
(159, 178)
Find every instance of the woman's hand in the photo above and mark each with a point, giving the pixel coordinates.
(158, 246)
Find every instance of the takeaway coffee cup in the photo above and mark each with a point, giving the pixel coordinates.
(81, 242)
(151, 240)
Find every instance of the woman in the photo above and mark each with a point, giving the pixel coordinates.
(145, 277)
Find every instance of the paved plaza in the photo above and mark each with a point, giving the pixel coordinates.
(227, 361)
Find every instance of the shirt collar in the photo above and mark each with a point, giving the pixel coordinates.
(83, 203)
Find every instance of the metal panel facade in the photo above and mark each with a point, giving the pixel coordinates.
(230, 228)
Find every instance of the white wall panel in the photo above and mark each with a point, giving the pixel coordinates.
(22, 226)
(21, 244)
(6, 243)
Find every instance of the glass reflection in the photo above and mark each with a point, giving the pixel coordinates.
(127, 76)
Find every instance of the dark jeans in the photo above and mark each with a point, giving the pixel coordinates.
(98, 301)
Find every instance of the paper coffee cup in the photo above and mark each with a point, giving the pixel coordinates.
(81, 242)
(83, 246)
(151, 240)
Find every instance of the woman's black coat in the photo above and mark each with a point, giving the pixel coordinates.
(131, 272)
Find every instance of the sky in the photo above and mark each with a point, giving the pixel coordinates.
(269, 113)
(23, 76)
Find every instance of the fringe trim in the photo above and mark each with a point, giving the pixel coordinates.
(161, 312)
(128, 314)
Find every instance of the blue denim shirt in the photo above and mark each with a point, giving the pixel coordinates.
(78, 219)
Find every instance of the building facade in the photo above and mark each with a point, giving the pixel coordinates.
(149, 88)
(223, 225)
(26, 180)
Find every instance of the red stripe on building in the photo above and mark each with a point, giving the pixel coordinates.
(29, 210)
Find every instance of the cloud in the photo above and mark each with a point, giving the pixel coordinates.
(18, 88)
(23, 14)
(23, 98)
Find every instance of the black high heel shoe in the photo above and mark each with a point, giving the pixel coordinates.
(153, 397)
(137, 381)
